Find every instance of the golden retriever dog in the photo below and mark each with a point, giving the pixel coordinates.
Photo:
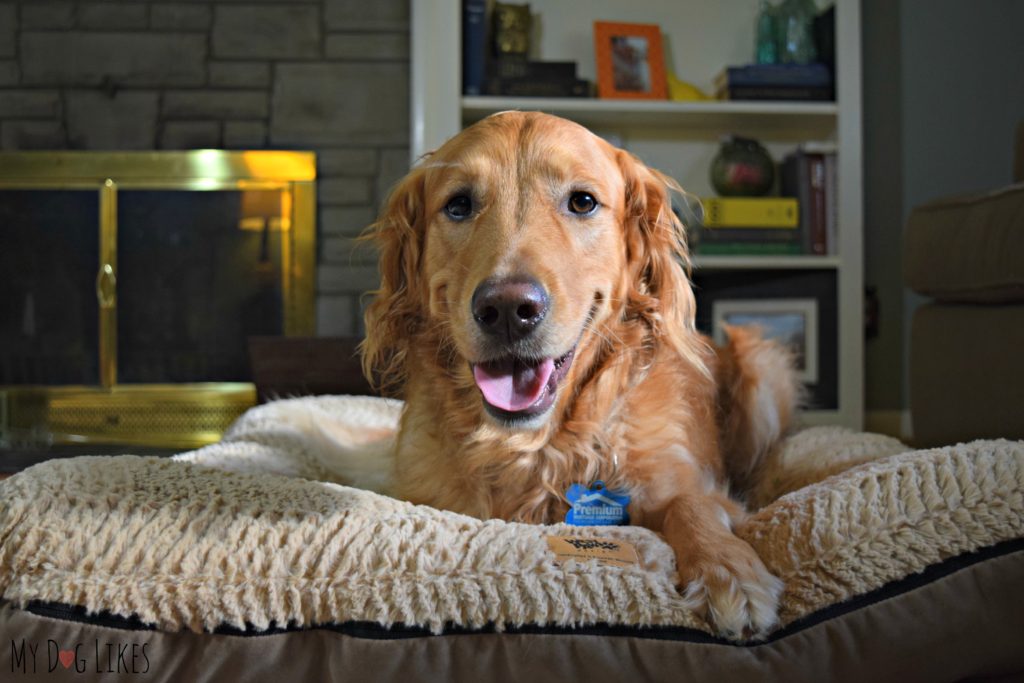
(536, 315)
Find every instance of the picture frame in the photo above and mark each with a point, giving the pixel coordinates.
(793, 322)
(630, 61)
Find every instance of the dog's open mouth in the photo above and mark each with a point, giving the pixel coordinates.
(516, 388)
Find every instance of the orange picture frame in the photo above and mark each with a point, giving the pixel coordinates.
(630, 61)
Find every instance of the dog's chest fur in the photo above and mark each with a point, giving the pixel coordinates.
(486, 478)
(448, 457)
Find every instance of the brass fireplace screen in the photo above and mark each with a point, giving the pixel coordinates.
(130, 283)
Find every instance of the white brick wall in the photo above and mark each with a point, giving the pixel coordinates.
(329, 76)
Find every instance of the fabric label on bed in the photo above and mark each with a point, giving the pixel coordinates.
(596, 505)
(604, 550)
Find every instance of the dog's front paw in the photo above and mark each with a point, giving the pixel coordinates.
(733, 589)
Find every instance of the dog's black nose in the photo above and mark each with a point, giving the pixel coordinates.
(509, 309)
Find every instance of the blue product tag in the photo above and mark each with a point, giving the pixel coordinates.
(596, 506)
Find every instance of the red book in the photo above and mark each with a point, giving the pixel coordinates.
(818, 215)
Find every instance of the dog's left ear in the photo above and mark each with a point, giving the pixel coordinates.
(658, 262)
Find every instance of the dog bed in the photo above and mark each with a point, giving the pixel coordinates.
(253, 560)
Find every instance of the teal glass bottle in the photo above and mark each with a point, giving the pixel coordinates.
(795, 30)
(765, 50)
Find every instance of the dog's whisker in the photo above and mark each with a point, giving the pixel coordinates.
(606, 337)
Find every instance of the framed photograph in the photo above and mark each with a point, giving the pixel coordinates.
(793, 322)
(630, 61)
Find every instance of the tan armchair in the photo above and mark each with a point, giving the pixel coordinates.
(967, 345)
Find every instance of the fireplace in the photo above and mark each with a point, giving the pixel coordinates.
(130, 284)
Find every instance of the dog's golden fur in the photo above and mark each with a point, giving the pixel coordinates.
(648, 404)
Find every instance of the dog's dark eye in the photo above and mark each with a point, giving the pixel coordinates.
(582, 203)
(459, 207)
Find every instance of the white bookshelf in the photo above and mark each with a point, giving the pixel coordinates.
(767, 262)
(679, 138)
(710, 115)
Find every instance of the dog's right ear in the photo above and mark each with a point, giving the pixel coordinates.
(396, 313)
(658, 261)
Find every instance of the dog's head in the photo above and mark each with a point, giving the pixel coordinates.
(520, 250)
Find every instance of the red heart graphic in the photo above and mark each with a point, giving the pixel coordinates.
(66, 658)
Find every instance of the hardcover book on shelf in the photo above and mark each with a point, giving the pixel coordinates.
(828, 150)
(775, 93)
(519, 77)
(781, 75)
(816, 177)
(474, 46)
(750, 226)
(800, 82)
(749, 249)
(795, 182)
(526, 87)
(806, 176)
(831, 204)
(515, 67)
(750, 212)
(824, 193)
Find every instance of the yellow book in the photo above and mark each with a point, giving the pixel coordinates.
(751, 212)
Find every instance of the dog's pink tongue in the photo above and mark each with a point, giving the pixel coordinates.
(511, 385)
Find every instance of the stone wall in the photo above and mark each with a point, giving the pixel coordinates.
(331, 76)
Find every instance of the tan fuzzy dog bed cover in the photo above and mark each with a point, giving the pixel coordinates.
(258, 535)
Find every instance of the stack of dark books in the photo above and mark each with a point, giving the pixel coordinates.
(799, 82)
(810, 175)
(514, 77)
(750, 226)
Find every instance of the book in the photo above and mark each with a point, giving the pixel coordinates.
(515, 67)
(818, 147)
(775, 75)
(776, 93)
(794, 182)
(828, 149)
(516, 76)
(749, 249)
(817, 214)
(751, 221)
(751, 212)
(529, 87)
(751, 235)
(474, 46)
(800, 82)
(810, 175)
(831, 204)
